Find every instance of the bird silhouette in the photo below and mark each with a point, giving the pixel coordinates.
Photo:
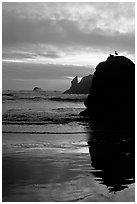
(116, 53)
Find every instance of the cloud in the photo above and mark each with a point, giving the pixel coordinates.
(23, 54)
(101, 14)
(34, 22)
(61, 30)
(50, 55)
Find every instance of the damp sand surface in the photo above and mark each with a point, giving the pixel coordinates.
(50, 167)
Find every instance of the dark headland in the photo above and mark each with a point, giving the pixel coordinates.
(83, 87)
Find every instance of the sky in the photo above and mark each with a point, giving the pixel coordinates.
(47, 44)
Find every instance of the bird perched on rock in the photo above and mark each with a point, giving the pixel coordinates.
(116, 53)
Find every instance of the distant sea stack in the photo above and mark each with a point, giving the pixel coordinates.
(37, 89)
(83, 87)
(111, 101)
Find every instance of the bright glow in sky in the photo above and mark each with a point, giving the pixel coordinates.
(37, 36)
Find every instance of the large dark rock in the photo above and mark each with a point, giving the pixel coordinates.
(111, 101)
(83, 87)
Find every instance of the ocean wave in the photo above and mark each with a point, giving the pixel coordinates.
(45, 132)
(41, 119)
(43, 95)
(23, 147)
(73, 99)
(41, 108)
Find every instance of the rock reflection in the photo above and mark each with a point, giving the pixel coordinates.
(113, 159)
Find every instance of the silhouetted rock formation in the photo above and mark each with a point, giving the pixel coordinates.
(111, 101)
(74, 82)
(37, 89)
(82, 87)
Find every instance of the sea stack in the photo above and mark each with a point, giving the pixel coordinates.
(83, 87)
(37, 89)
(111, 101)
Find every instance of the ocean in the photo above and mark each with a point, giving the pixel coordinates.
(46, 154)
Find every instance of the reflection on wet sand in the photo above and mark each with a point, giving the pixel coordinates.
(113, 158)
(64, 173)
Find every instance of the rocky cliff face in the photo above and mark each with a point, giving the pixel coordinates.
(83, 87)
(111, 101)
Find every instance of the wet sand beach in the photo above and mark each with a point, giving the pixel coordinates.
(54, 168)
